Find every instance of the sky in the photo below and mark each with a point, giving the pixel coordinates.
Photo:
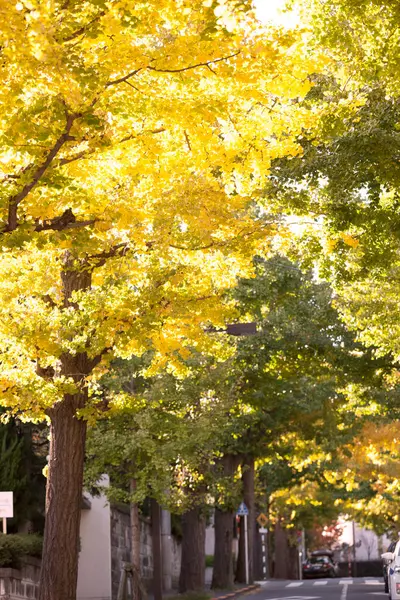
(271, 10)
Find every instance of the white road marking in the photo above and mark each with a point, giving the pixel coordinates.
(345, 582)
(377, 593)
(297, 598)
(373, 582)
(343, 595)
(295, 584)
(321, 582)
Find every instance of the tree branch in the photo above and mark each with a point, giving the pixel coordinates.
(187, 140)
(84, 28)
(98, 260)
(181, 70)
(65, 221)
(125, 78)
(190, 67)
(15, 201)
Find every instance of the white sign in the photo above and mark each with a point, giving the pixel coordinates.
(6, 505)
(242, 510)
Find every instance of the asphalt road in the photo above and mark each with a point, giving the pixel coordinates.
(358, 588)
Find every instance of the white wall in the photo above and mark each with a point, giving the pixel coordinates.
(210, 536)
(94, 571)
(369, 545)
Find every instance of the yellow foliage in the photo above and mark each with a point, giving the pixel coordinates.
(134, 140)
(350, 240)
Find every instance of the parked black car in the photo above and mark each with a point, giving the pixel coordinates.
(319, 565)
(385, 567)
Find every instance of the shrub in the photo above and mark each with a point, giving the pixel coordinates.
(14, 546)
(209, 560)
(200, 595)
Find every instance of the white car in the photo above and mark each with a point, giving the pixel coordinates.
(392, 559)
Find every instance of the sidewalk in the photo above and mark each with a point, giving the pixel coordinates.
(239, 591)
(214, 594)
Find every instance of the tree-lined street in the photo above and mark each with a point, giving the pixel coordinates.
(172, 172)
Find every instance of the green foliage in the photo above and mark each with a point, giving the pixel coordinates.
(14, 547)
(200, 595)
(166, 437)
(209, 560)
(20, 472)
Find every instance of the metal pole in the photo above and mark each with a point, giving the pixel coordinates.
(4, 525)
(246, 549)
(354, 551)
(166, 550)
(300, 565)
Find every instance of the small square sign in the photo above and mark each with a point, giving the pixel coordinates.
(6, 505)
(262, 520)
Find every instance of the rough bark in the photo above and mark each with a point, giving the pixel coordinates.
(281, 570)
(293, 563)
(223, 563)
(223, 525)
(192, 576)
(59, 570)
(249, 500)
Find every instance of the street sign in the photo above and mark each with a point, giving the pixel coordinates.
(241, 329)
(262, 520)
(6, 505)
(242, 511)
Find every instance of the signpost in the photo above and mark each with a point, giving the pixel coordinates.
(264, 544)
(6, 508)
(243, 511)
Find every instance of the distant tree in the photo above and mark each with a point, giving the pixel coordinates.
(21, 473)
(322, 537)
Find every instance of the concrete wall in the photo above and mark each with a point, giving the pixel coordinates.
(94, 572)
(21, 584)
(210, 536)
(121, 548)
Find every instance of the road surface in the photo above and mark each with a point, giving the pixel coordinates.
(347, 588)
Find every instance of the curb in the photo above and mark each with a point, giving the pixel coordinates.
(240, 592)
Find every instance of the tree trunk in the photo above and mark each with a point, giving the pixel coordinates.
(293, 562)
(281, 553)
(223, 563)
(224, 521)
(249, 500)
(59, 572)
(192, 576)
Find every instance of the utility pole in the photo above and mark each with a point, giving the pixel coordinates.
(166, 550)
(156, 538)
(354, 550)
